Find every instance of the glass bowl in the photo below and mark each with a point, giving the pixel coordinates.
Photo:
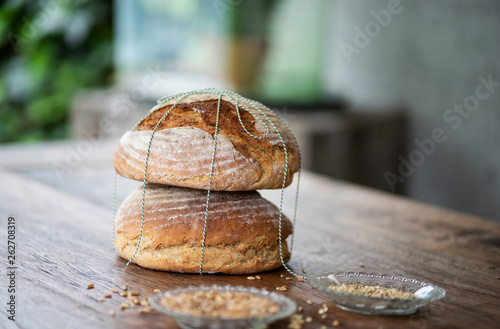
(424, 291)
(286, 308)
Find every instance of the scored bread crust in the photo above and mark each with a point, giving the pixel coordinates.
(182, 148)
(241, 233)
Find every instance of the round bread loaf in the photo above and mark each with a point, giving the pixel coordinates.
(241, 234)
(182, 148)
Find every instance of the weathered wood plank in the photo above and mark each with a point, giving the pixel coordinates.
(64, 243)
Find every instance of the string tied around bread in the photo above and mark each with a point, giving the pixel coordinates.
(258, 111)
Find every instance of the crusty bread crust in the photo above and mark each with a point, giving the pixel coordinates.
(241, 236)
(228, 259)
(182, 148)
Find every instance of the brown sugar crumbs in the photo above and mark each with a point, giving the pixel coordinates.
(373, 291)
(226, 305)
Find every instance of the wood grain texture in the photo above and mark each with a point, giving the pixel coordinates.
(65, 243)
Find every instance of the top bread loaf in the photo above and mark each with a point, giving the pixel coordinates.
(182, 147)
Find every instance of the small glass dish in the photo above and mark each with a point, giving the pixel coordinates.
(424, 291)
(286, 308)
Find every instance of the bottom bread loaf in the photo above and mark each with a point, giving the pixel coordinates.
(241, 234)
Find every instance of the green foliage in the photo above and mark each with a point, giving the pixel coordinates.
(48, 51)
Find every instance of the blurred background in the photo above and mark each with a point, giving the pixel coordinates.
(401, 96)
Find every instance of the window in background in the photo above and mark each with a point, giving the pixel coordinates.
(271, 50)
(181, 40)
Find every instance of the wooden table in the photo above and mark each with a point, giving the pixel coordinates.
(64, 243)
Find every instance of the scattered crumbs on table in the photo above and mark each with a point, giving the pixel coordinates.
(296, 321)
(148, 309)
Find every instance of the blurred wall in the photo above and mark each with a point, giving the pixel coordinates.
(431, 57)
